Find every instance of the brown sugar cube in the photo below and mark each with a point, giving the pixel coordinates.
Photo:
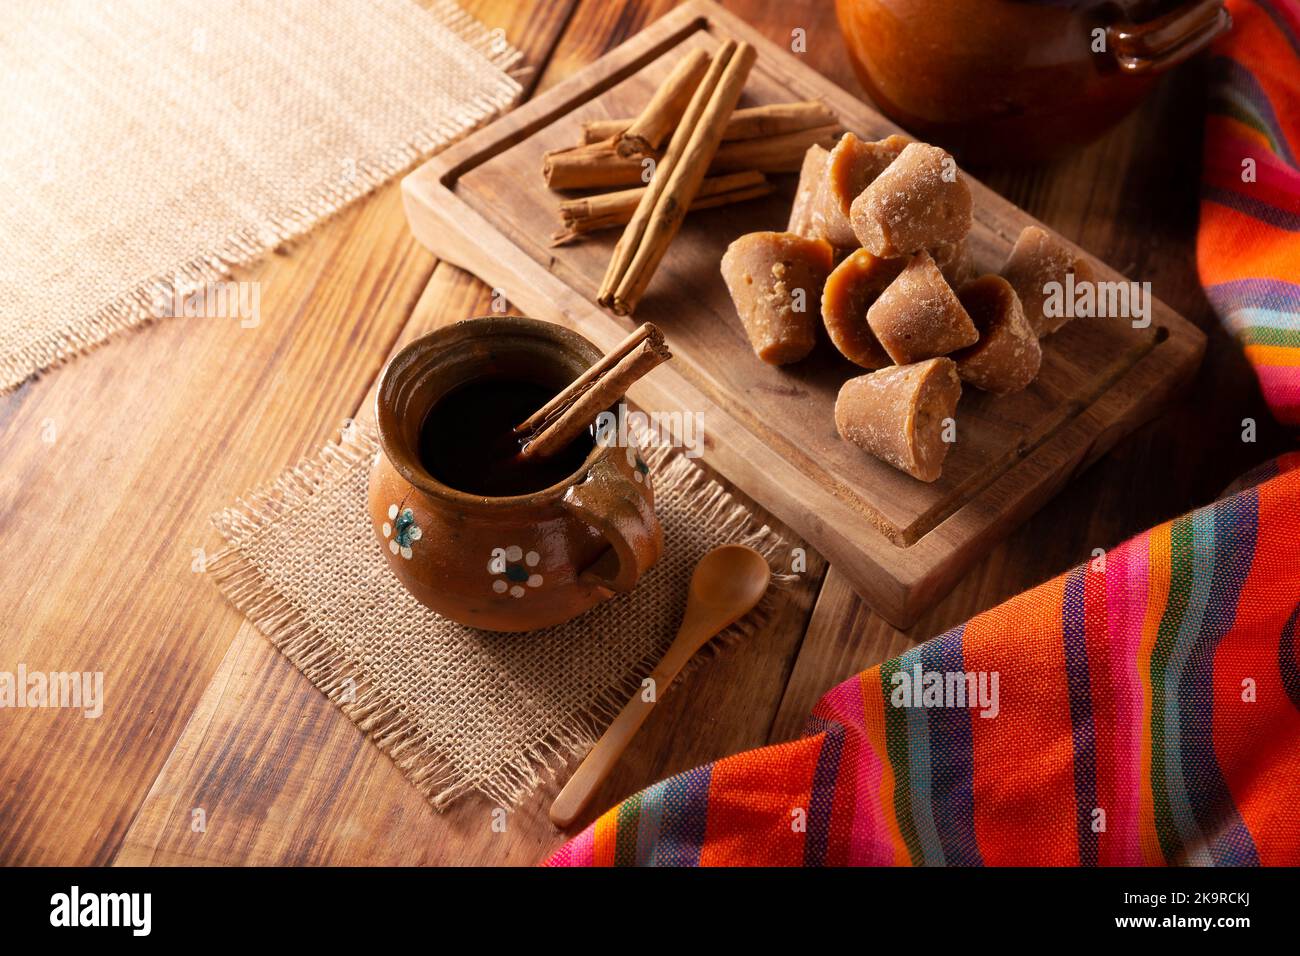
(1037, 259)
(954, 261)
(898, 414)
(810, 181)
(919, 201)
(850, 168)
(918, 316)
(1007, 356)
(851, 288)
(775, 280)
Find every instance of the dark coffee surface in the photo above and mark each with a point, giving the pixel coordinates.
(468, 442)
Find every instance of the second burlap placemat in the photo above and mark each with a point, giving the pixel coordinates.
(150, 146)
(461, 710)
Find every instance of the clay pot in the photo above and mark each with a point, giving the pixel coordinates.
(1009, 80)
(515, 563)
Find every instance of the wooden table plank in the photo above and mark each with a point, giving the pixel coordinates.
(596, 28)
(157, 429)
(533, 27)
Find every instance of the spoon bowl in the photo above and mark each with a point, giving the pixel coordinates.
(729, 580)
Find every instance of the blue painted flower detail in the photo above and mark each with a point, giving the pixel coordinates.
(640, 470)
(510, 569)
(402, 532)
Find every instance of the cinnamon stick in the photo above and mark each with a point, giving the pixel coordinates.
(771, 119)
(593, 166)
(677, 179)
(598, 165)
(583, 381)
(572, 411)
(773, 154)
(648, 131)
(606, 210)
(629, 242)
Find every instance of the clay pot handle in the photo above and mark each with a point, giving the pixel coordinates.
(623, 512)
(1168, 40)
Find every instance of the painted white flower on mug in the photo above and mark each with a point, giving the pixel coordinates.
(511, 567)
(402, 532)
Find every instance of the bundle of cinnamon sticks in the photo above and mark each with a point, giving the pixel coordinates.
(765, 139)
(689, 148)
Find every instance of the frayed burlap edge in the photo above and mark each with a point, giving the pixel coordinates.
(139, 306)
(384, 719)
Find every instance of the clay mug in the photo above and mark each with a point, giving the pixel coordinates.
(511, 563)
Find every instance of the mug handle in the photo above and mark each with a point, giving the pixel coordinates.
(1168, 40)
(623, 512)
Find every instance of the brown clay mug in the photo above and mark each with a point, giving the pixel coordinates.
(1017, 80)
(506, 563)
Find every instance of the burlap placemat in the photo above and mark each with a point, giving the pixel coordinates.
(461, 710)
(150, 145)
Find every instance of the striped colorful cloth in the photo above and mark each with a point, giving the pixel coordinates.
(1248, 249)
(1145, 710)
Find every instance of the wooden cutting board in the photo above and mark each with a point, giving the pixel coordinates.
(483, 206)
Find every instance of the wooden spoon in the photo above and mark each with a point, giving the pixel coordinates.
(726, 585)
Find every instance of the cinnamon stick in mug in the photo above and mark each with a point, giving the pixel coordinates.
(568, 414)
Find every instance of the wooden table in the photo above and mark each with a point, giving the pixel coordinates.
(110, 466)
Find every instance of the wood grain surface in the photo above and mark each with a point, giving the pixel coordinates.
(110, 466)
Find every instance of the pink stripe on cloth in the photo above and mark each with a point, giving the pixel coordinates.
(1126, 609)
(869, 841)
(1281, 387)
(1222, 167)
(580, 851)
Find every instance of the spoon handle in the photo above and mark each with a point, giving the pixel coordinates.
(577, 793)
(704, 618)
